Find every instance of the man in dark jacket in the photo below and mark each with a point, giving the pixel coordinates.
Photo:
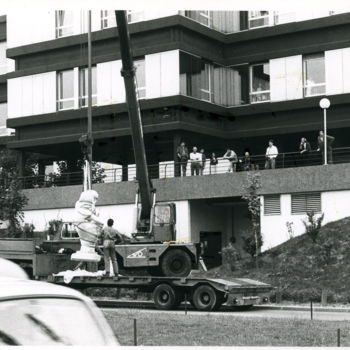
(320, 142)
(182, 157)
(304, 149)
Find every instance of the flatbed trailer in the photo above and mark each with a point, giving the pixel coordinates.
(205, 294)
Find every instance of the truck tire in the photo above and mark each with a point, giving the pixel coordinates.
(165, 297)
(176, 263)
(205, 298)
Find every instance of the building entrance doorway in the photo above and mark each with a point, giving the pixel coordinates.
(211, 243)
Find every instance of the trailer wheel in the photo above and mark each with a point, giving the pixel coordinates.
(165, 297)
(176, 263)
(205, 298)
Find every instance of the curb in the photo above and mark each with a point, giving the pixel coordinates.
(303, 308)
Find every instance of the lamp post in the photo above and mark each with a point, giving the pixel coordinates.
(324, 104)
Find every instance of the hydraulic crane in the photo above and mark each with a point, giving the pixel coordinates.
(153, 243)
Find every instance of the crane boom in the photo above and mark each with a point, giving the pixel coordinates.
(128, 73)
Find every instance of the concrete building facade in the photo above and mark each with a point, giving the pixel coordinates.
(214, 79)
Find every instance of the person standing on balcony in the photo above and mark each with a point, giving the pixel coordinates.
(204, 159)
(196, 161)
(247, 162)
(320, 142)
(231, 156)
(271, 155)
(213, 163)
(305, 150)
(182, 157)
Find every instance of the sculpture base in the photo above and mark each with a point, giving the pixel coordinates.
(85, 256)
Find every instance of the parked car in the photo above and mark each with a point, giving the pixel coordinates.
(39, 313)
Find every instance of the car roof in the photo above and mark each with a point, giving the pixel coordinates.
(16, 288)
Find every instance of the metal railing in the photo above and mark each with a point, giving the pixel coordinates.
(166, 170)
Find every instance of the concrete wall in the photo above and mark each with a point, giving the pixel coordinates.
(285, 181)
(334, 205)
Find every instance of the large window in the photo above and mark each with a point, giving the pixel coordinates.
(258, 19)
(303, 203)
(3, 59)
(140, 77)
(314, 76)
(64, 23)
(83, 87)
(226, 86)
(259, 83)
(203, 17)
(108, 19)
(65, 89)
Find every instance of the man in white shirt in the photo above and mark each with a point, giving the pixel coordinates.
(196, 160)
(271, 155)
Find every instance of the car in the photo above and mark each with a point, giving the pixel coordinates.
(39, 313)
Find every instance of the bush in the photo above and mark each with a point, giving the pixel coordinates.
(230, 255)
(313, 225)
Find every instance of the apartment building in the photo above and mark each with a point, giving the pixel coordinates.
(211, 78)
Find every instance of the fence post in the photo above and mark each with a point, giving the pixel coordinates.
(324, 297)
(283, 161)
(165, 170)
(135, 332)
(338, 337)
(311, 311)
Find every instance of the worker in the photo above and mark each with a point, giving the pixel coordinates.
(110, 235)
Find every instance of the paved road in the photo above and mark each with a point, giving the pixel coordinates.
(255, 312)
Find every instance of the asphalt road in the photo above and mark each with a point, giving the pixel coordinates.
(255, 313)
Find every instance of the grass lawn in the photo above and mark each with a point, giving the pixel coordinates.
(166, 329)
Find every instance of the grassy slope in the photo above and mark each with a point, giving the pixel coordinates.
(302, 268)
(158, 329)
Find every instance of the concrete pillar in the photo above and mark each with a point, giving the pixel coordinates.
(21, 162)
(125, 171)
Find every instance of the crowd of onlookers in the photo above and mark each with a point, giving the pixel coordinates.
(198, 159)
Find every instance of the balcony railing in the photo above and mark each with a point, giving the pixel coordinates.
(171, 169)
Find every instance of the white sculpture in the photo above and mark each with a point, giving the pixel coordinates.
(89, 226)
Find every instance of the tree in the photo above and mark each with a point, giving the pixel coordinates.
(253, 243)
(66, 167)
(12, 200)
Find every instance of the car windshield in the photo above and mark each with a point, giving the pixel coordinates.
(48, 321)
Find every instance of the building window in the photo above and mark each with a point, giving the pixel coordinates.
(65, 89)
(135, 16)
(272, 205)
(303, 203)
(108, 19)
(258, 19)
(64, 23)
(83, 86)
(260, 83)
(314, 76)
(3, 59)
(140, 78)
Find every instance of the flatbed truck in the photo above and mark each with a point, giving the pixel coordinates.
(204, 294)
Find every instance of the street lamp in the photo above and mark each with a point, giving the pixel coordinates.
(324, 104)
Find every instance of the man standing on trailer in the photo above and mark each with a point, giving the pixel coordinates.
(110, 235)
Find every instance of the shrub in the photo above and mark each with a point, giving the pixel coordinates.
(230, 255)
(313, 225)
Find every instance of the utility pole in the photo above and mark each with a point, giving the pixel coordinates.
(89, 128)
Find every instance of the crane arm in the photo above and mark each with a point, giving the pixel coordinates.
(128, 73)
